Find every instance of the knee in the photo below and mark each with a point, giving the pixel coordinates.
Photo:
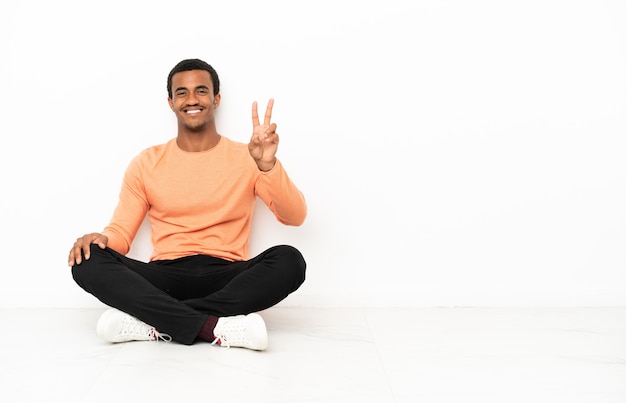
(89, 269)
(293, 261)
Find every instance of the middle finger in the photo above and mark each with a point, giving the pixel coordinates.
(268, 112)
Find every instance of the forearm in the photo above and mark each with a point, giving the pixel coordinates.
(282, 196)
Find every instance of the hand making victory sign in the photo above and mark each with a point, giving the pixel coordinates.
(264, 141)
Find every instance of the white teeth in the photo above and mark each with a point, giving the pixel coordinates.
(194, 111)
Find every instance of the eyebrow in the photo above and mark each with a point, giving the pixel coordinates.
(198, 87)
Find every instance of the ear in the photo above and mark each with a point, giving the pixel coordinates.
(216, 100)
(169, 101)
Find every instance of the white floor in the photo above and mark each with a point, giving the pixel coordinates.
(329, 355)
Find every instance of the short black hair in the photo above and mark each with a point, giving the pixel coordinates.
(193, 64)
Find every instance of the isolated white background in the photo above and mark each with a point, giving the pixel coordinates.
(451, 152)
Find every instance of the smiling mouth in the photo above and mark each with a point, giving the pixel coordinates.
(193, 111)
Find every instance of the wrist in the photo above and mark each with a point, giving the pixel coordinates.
(266, 165)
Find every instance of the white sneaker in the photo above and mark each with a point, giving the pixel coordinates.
(117, 327)
(241, 331)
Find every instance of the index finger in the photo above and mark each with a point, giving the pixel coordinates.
(255, 115)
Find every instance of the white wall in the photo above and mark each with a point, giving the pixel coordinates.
(451, 152)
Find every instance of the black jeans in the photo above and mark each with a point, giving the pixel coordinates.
(177, 296)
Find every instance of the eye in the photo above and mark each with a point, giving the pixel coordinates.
(181, 93)
(203, 91)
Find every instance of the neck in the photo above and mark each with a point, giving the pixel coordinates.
(197, 141)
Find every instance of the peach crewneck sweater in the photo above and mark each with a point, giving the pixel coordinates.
(199, 202)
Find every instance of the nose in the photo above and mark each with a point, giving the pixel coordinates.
(192, 99)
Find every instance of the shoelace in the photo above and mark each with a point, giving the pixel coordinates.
(158, 335)
(221, 339)
(230, 333)
(137, 327)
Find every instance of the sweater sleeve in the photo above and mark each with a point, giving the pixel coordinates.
(282, 196)
(130, 211)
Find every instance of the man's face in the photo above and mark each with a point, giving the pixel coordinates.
(192, 99)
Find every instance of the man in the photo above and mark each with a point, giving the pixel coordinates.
(198, 190)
